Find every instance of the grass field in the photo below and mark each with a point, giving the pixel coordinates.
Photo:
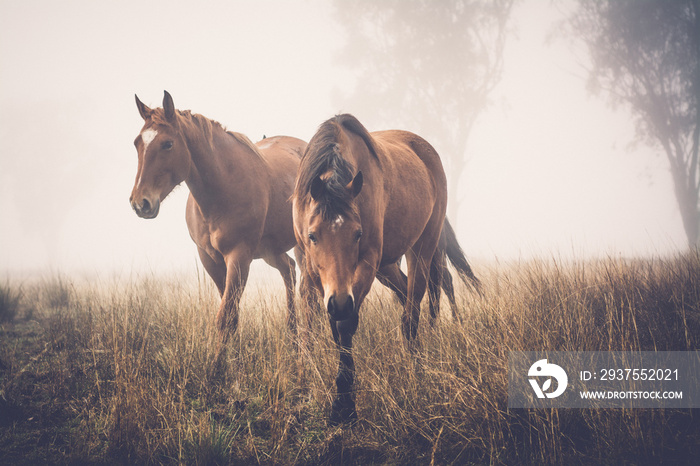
(120, 370)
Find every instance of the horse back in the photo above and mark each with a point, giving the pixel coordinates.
(414, 186)
(282, 155)
(404, 150)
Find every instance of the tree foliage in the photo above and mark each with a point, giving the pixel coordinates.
(646, 56)
(425, 65)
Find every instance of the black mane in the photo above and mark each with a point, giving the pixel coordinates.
(323, 157)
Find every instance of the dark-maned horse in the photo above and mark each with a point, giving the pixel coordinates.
(362, 201)
(239, 207)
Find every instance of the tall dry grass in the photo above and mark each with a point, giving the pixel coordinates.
(121, 370)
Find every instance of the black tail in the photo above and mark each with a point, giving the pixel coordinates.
(454, 253)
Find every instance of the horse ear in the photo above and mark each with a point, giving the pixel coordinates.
(168, 106)
(318, 186)
(144, 111)
(356, 184)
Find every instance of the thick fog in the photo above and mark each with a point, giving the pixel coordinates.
(550, 170)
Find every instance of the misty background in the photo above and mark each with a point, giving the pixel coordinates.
(537, 166)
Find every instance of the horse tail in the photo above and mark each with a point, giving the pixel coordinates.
(456, 256)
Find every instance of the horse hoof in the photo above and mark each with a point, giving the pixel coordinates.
(343, 412)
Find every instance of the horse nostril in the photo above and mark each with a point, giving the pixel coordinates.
(340, 311)
(146, 206)
(331, 305)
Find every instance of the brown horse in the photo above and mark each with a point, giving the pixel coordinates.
(362, 201)
(239, 208)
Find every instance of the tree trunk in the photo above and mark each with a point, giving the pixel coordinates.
(686, 195)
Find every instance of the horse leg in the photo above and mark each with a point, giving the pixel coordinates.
(308, 289)
(237, 268)
(419, 259)
(343, 409)
(216, 270)
(287, 268)
(435, 284)
(393, 278)
(417, 282)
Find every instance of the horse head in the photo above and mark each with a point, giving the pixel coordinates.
(164, 159)
(333, 233)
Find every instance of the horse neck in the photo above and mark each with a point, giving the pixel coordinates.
(215, 153)
(356, 151)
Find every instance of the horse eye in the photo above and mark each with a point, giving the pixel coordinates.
(167, 145)
(312, 238)
(358, 235)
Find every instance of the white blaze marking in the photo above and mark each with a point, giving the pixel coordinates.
(337, 223)
(147, 137)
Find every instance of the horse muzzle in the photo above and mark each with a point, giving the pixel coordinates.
(146, 208)
(340, 308)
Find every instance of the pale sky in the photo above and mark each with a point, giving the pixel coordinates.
(550, 169)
